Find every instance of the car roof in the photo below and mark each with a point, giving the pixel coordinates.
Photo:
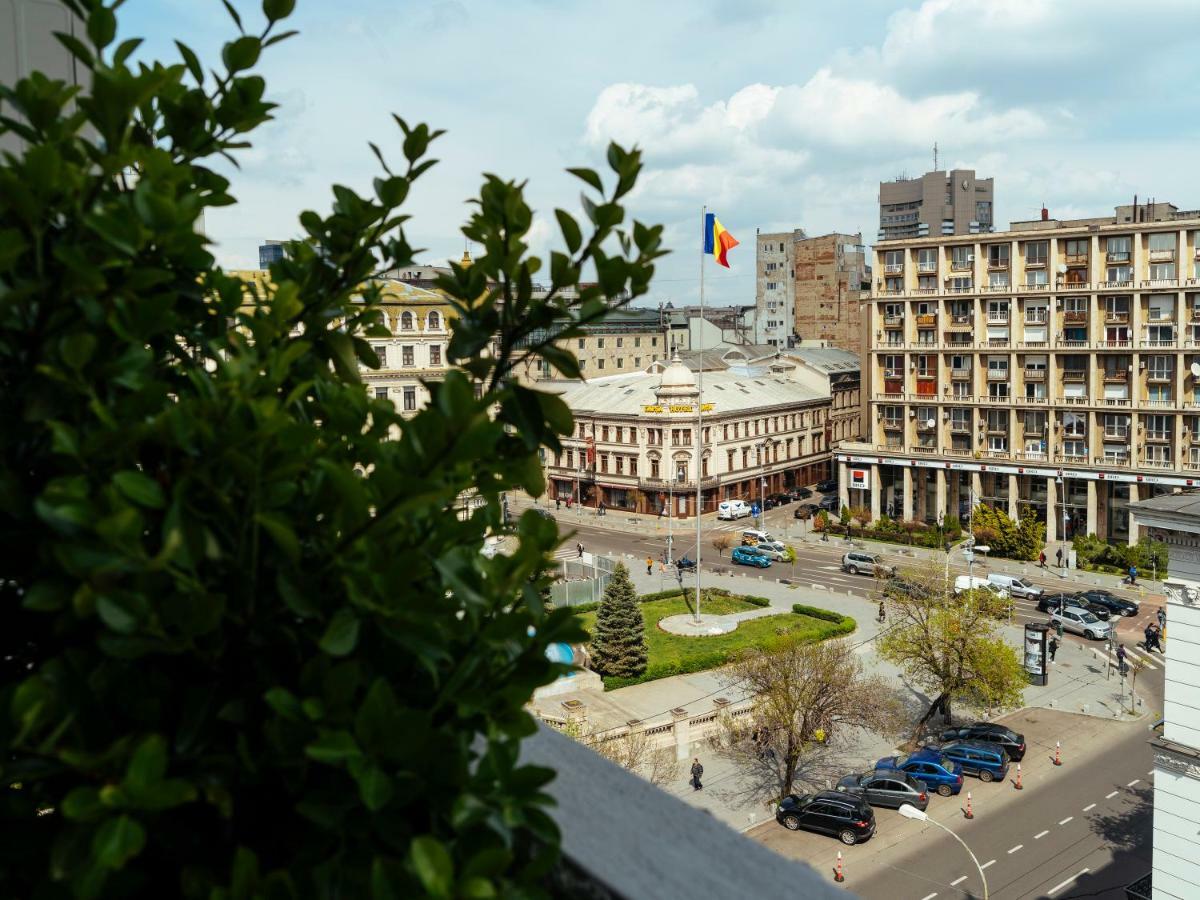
(1079, 610)
(972, 745)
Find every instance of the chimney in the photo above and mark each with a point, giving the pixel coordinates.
(1045, 214)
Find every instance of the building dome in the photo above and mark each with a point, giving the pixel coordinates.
(677, 375)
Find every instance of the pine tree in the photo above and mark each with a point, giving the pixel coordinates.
(619, 641)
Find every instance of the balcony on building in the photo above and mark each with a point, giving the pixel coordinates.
(997, 374)
(894, 268)
(960, 374)
(1162, 255)
(998, 315)
(928, 319)
(1075, 317)
(893, 319)
(1036, 315)
(1035, 374)
(1112, 459)
(1116, 317)
(1116, 376)
(926, 266)
(1156, 463)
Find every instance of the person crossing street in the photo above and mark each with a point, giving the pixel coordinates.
(1122, 667)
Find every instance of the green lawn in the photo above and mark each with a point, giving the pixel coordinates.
(673, 654)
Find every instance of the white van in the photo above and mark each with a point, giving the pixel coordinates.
(974, 582)
(733, 509)
(752, 536)
(1015, 585)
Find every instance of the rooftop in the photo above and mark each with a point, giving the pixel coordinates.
(827, 359)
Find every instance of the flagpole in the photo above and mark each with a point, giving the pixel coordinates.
(700, 419)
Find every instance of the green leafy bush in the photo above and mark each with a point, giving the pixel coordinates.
(1013, 540)
(250, 650)
(1150, 557)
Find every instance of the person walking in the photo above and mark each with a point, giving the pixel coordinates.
(1162, 618)
(1058, 556)
(1133, 575)
(579, 547)
(1053, 647)
(558, 503)
(1042, 559)
(649, 565)
(697, 771)
(882, 612)
(1152, 637)
(1121, 654)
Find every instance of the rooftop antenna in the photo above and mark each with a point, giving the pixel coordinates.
(935, 165)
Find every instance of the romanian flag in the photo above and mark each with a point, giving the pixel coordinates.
(717, 240)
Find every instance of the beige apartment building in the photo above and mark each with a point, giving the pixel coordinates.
(937, 203)
(1048, 369)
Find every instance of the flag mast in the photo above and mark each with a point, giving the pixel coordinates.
(700, 416)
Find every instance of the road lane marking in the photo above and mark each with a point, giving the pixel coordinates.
(1041, 834)
(929, 896)
(988, 863)
(1016, 848)
(1066, 820)
(1089, 806)
(959, 880)
(1151, 773)
(1132, 783)
(1059, 887)
(1110, 795)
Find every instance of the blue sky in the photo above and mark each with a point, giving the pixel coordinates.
(777, 115)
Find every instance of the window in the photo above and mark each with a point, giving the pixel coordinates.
(998, 256)
(1074, 425)
(407, 355)
(654, 468)
(1077, 249)
(604, 433)
(620, 342)
(1035, 253)
(599, 364)
(1158, 428)
(581, 341)
(633, 466)
(620, 362)
(381, 393)
(410, 404)
(960, 419)
(653, 342)
(406, 321)
(1162, 244)
(600, 343)
(962, 257)
(570, 459)
(1160, 368)
(435, 354)
(435, 321)
(620, 464)
(927, 260)
(745, 457)
(381, 352)
(637, 342)
(1120, 273)
(1036, 278)
(1162, 271)
(893, 261)
(1035, 424)
(998, 280)
(1159, 454)
(604, 462)
(1158, 393)
(1117, 249)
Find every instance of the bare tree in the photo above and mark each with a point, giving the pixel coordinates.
(722, 542)
(631, 748)
(808, 700)
(949, 645)
(1135, 666)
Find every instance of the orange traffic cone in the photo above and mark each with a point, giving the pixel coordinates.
(1057, 753)
(837, 873)
(1018, 785)
(970, 815)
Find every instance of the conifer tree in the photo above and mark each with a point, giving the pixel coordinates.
(619, 642)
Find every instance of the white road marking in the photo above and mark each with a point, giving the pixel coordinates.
(1089, 806)
(1015, 849)
(1041, 834)
(1066, 820)
(988, 863)
(1059, 887)
(1132, 783)
(929, 896)
(1110, 795)
(1151, 773)
(959, 880)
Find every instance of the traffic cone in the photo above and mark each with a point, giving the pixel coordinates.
(837, 873)
(1057, 753)
(1018, 785)
(970, 815)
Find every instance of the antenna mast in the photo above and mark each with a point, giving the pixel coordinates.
(935, 165)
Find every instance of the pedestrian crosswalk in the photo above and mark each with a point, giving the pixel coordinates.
(1149, 659)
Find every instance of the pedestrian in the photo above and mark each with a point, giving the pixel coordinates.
(1059, 557)
(1152, 637)
(882, 612)
(579, 547)
(1162, 618)
(649, 565)
(1053, 647)
(1133, 574)
(697, 771)
(1121, 654)
(568, 503)
(1042, 559)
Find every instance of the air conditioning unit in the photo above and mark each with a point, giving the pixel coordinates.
(970, 257)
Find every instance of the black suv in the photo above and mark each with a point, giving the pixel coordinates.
(801, 493)
(1052, 603)
(827, 485)
(1116, 605)
(990, 733)
(845, 817)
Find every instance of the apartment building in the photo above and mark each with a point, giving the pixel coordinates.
(628, 340)
(774, 289)
(1048, 369)
(937, 203)
(637, 447)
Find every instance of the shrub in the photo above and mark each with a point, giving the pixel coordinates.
(1149, 556)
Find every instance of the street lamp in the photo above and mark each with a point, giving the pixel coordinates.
(911, 812)
(671, 508)
(1063, 551)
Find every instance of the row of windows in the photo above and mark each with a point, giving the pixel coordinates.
(637, 342)
(408, 395)
(406, 321)
(1076, 251)
(407, 357)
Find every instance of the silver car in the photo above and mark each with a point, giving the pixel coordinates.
(866, 563)
(1080, 621)
(773, 549)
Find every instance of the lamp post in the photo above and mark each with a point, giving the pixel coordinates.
(671, 510)
(911, 812)
(1066, 553)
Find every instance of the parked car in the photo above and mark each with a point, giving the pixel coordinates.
(867, 563)
(939, 772)
(733, 509)
(831, 504)
(770, 503)
(904, 587)
(990, 733)
(829, 484)
(749, 556)
(975, 583)
(848, 818)
(783, 498)
(773, 549)
(1080, 621)
(1099, 610)
(888, 788)
(1052, 602)
(987, 761)
(1110, 601)
(752, 536)
(1015, 585)
(806, 511)
(802, 493)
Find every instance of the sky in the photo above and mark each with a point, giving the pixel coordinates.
(776, 115)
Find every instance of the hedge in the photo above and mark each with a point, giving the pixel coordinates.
(593, 605)
(844, 624)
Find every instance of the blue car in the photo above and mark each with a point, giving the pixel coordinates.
(987, 761)
(941, 773)
(748, 556)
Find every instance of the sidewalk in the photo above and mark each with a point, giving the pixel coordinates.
(1077, 685)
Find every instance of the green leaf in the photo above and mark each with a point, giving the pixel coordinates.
(140, 488)
(191, 61)
(76, 48)
(245, 874)
(241, 53)
(589, 176)
(148, 764)
(281, 533)
(122, 611)
(118, 841)
(558, 414)
(285, 703)
(83, 804)
(388, 879)
(341, 636)
(433, 865)
(374, 786)
(275, 10)
(101, 26)
(570, 230)
(333, 748)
